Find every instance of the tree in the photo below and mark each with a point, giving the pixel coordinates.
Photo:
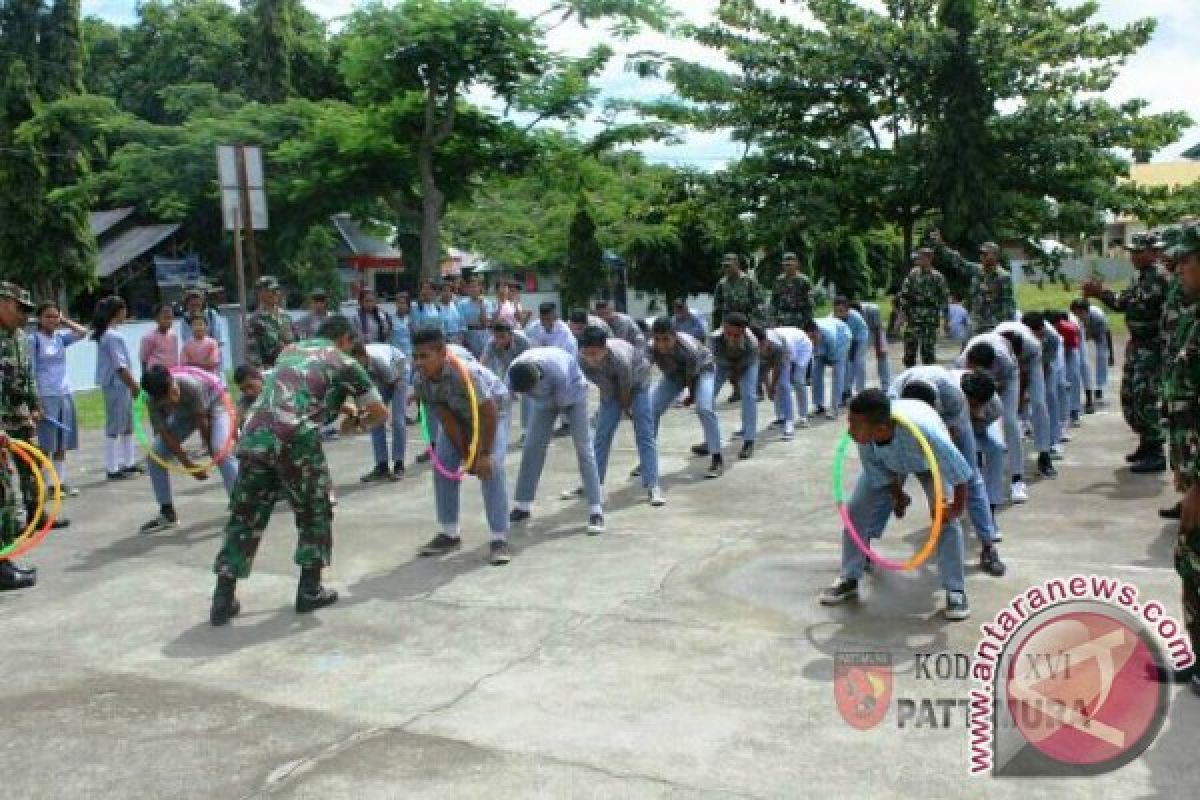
(22, 178)
(269, 39)
(584, 272)
(20, 26)
(61, 51)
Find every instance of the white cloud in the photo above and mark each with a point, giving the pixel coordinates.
(1163, 73)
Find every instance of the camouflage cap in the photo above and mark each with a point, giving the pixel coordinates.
(14, 292)
(989, 247)
(1141, 242)
(269, 282)
(1184, 242)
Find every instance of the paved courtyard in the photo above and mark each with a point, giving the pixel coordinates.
(681, 654)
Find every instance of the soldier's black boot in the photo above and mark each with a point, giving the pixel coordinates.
(310, 594)
(1174, 512)
(1153, 461)
(225, 605)
(13, 577)
(1136, 455)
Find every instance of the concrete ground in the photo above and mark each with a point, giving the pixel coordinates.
(681, 654)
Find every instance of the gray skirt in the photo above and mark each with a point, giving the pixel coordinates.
(118, 411)
(64, 435)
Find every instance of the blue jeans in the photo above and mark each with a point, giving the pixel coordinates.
(608, 417)
(979, 507)
(857, 380)
(1100, 350)
(495, 489)
(989, 442)
(703, 390)
(181, 428)
(1055, 395)
(871, 508)
(537, 439)
(838, 366)
(397, 399)
(748, 386)
(792, 391)
(1039, 412)
(1010, 396)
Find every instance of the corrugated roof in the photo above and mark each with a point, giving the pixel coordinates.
(129, 245)
(102, 222)
(360, 243)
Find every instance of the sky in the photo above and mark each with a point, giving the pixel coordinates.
(1164, 73)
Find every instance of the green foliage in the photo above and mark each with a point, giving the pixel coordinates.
(584, 273)
(269, 39)
(1159, 205)
(314, 264)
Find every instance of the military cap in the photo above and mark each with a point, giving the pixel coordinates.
(14, 292)
(989, 247)
(267, 282)
(319, 294)
(1185, 242)
(1140, 242)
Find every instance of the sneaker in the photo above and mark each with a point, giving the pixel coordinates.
(1045, 466)
(997, 536)
(1174, 512)
(717, 468)
(843, 589)
(656, 497)
(572, 493)
(595, 524)
(1019, 493)
(747, 451)
(1076, 422)
(134, 470)
(118, 476)
(518, 515)
(1064, 438)
(1090, 408)
(831, 414)
(1057, 453)
(70, 491)
(778, 423)
(789, 432)
(736, 434)
(636, 472)
(397, 472)
(440, 545)
(562, 430)
(802, 422)
(700, 449)
(989, 562)
(160, 523)
(818, 411)
(422, 458)
(377, 475)
(498, 553)
(957, 607)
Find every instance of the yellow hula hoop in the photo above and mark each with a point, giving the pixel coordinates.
(36, 460)
(939, 500)
(473, 449)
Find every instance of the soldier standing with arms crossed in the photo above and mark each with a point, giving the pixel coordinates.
(269, 329)
(991, 300)
(1141, 380)
(791, 297)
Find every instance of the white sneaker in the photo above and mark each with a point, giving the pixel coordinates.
(802, 422)
(1019, 493)
(656, 497)
(997, 536)
(830, 415)
(789, 432)
(571, 494)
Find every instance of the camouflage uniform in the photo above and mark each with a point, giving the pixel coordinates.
(267, 333)
(791, 301)
(280, 454)
(1181, 399)
(1141, 379)
(922, 298)
(18, 402)
(958, 272)
(742, 294)
(991, 299)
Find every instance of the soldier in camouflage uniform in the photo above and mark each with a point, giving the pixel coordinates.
(280, 454)
(269, 329)
(791, 298)
(990, 300)
(736, 292)
(1175, 307)
(18, 405)
(922, 299)
(1181, 395)
(1141, 379)
(958, 272)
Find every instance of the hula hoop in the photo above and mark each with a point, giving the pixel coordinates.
(473, 448)
(935, 528)
(36, 460)
(141, 411)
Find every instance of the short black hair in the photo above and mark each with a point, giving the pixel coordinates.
(841, 300)
(593, 336)
(737, 319)
(523, 376)
(662, 325)
(981, 354)
(979, 387)
(245, 372)
(601, 305)
(334, 327)
(1014, 339)
(857, 306)
(1054, 316)
(811, 326)
(547, 308)
(1079, 302)
(502, 326)
(1034, 320)
(578, 316)
(921, 390)
(759, 332)
(873, 404)
(429, 335)
(156, 381)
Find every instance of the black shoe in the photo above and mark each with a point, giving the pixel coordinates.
(1150, 465)
(747, 451)
(499, 553)
(595, 524)
(636, 472)
(518, 515)
(377, 475)
(423, 458)
(1099, 395)
(760, 396)
(778, 423)
(818, 411)
(1174, 512)
(1045, 466)
(841, 591)
(13, 577)
(310, 599)
(225, 605)
(118, 476)
(735, 396)
(1137, 455)
(440, 545)
(135, 470)
(717, 468)
(699, 449)
(989, 562)
(397, 472)
(162, 522)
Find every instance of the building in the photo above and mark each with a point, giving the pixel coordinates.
(1167, 175)
(144, 263)
(368, 262)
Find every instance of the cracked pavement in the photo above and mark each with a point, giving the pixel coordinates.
(681, 654)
